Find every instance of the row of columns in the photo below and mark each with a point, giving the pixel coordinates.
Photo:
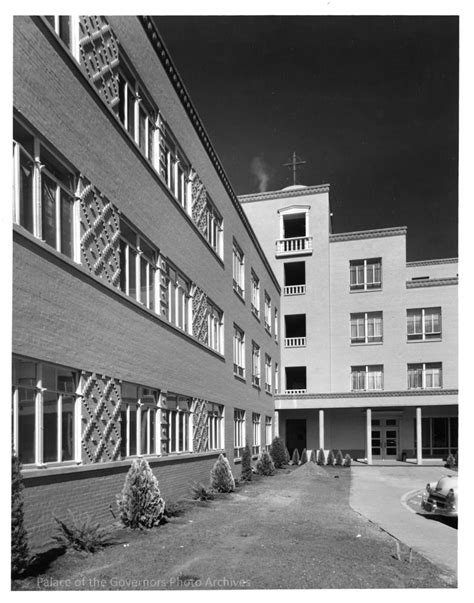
(368, 442)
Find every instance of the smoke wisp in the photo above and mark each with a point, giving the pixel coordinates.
(261, 173)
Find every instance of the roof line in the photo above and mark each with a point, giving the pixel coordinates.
(300, 192)
(433, 262)
(368, 234)
(163, 54)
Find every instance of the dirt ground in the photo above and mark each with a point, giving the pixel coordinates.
(294, 530)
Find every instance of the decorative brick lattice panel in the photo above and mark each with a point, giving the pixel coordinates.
(100, 236)
(199, 205)
(200, 435)
(99, 54)
(100, 419)
(200, 314)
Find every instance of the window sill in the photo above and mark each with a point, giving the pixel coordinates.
(364, 290)
(240, 378)
(269, 393)
(257, 386)
(240, 296)
(355, 345)
(255, 314)
(438, 340)
(365, 391)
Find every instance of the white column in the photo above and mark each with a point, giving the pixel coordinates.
(368, 445)
(277, 423)
(418, 436)
(321, 429)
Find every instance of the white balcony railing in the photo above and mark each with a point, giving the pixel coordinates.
(295, 342)
(294, 246)
(294, 290)
(295, 392)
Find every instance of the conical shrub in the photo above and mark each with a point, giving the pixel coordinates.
(222, 479)
(287, 456)
(19, 541)
(347, 460)
(140, 504)
(296, 457)
(312, 457)
(265, 464)
(339, 458)
(246, 467)
(330, 459)
(321, 457)
(304, 457)
(277, 452)
(450, 461)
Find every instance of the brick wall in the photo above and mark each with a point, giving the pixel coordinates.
(94, 491)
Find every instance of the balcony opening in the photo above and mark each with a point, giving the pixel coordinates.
(295, 278)
(294, 225)
(295, 379)
(295, 330)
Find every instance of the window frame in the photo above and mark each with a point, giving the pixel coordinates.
(268, 313)
(368, 372)
(423, 334)
(215, 426)
(238, 270)
(180, 424)
(256, 368)
(239, 432)
(365, 264)
(145, 403)
(422, 369)
(215, 328)
(256, 432)
(268, 374)
(268, 431)
(254, 294)
(366, 317)
(239, 352)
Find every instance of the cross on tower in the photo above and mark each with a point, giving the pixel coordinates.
(294, 164)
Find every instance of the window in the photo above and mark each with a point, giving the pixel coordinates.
(239, 352)
(137, 266)
(174, 169)
(215, 328)
(238, 270)
(255, 364)
(424, 324)
(44, 401)
(179, 300)
(277, 378)
(268, 432)
(367, 378)
(295, 379)
(256, 438)
(255, 294)
(139, 422)
(214, 228)
(239, 432)
(365, 274)
(136, 113)
(67, 28)
(179, 423)
(366, 327)
(268, 313)
(425, 375)
(276, 321)
(439, 436)
(268, 374)
(215, 426)
(44, 192)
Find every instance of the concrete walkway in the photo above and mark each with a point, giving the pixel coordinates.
(377, 493)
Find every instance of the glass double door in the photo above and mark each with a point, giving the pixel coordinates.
(384, 438)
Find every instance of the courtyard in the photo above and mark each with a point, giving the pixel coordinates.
(294, 530)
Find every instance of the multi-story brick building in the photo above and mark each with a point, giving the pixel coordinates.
(144, 308)
(369, 341)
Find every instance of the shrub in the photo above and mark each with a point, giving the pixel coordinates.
(347, 460)
(265, 464)
(450, 461)
(304, 457)
(321, 460)
(312, 457)
(200, 492)
(287, 456)
(339, 458)
(295, 459)
(140, 503)
(277, 452)
(330, 459)
(175, 508)
(246, 467)
(456, 458)
(81, 533)
(19, 540)
(222, 479)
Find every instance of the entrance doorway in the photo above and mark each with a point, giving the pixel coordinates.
(295, 435)
(385, 439)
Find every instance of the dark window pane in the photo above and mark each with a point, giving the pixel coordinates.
(67, 224)
(50, 427)
(48, 210)
(26, 425)
(67, 428)
(26, 191)
(133, 430)
(65, 30)
(123, 433)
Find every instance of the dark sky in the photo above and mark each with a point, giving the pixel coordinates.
(370, 103)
